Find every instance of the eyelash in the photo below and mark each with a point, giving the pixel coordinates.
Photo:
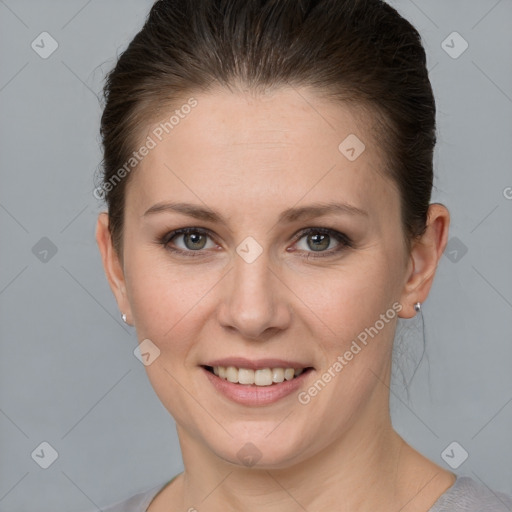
(344, 241)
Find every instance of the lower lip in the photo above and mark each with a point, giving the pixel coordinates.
(250, 394)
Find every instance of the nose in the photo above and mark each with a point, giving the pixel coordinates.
(254, 301)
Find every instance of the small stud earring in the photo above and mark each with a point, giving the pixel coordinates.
(417, 307)
(123, 316)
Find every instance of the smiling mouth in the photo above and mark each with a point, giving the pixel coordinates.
(259, 377)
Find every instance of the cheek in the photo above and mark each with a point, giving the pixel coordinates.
(345, 300)
(166, 300)
(170, 304)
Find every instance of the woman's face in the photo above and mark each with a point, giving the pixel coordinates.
(250, 287)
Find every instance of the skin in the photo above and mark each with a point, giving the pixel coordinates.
(250, 157)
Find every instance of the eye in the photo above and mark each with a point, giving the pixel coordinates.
(193, 242)
(322, 240)
(187, 241)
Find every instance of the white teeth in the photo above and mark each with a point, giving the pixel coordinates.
(289, 373)
(245, 376)
(277, 375)
(261, 377)
(232, 374)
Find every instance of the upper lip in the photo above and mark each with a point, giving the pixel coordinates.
(256, 364)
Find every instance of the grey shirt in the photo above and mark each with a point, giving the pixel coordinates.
(465, 495)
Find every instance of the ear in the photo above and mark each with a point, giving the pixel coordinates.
(424, 258)
(111, 264)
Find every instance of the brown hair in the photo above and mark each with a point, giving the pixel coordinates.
(358, 51)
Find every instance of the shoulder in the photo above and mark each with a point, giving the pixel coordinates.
(469, 495)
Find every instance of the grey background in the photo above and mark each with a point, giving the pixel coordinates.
(68, 375)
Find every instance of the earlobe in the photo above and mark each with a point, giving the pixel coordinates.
(111, 264)
(424, 258)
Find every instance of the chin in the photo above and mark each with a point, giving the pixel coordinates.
(262, 451)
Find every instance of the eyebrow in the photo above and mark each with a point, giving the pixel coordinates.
(289, 215)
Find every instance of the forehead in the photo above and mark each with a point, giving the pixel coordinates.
(257, 149)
